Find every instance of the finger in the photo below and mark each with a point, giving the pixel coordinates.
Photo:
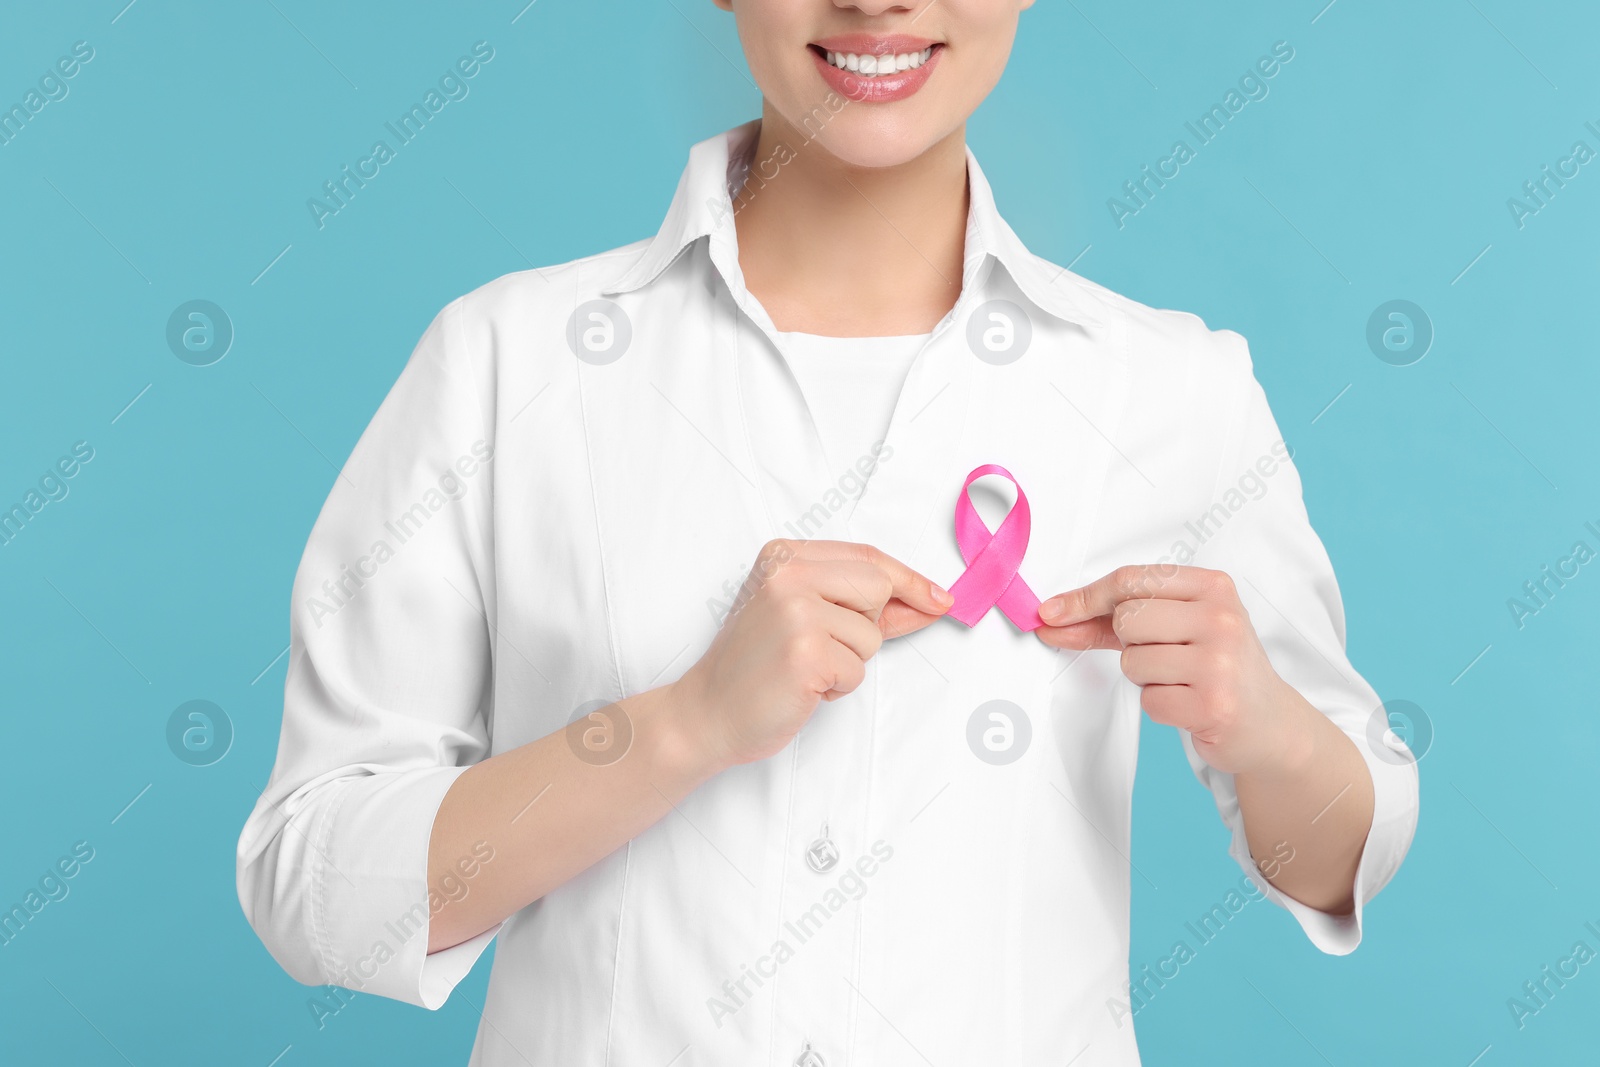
(899, 619)
(911, 588)
(1159, 622)
(819, 548)
(853, 630)
(1161, 664)
(848, 583)
(914, 589)
(1171, 705)
(865, 588)
(846, 669)
(1139, 581)
(1091, 633)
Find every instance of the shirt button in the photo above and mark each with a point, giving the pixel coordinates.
(822, 855)
(809, 1057)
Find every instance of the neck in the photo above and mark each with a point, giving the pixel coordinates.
(846, 251)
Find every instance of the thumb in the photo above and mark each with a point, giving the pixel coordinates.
(899, 619)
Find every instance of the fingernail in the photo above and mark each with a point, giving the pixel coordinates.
(1052, 609)
(941, 594)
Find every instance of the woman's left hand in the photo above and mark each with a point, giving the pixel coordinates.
(1187, 641)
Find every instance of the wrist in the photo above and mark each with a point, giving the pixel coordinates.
(681, 748)
(1297, 737)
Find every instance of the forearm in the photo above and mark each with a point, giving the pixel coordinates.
(549, 814)
(1318, 801)
(814, 613)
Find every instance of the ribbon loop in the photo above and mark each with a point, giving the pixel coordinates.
(992, 558)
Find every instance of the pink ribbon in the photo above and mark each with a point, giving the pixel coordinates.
(991, 576)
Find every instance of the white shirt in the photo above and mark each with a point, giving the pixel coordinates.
(850, 385)
(521, 533)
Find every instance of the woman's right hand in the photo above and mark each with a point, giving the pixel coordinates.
(809, 616)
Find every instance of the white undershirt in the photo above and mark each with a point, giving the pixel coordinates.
(851, 385)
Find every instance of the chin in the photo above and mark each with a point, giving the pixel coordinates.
(865, 140)
(876, 153)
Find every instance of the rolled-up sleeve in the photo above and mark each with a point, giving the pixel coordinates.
(388, 690)
(1259, 533)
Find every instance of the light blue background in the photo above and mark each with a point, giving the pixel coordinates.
(1378, 168)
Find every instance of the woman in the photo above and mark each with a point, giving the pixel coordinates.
(622, 639)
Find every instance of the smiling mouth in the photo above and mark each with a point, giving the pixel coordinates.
(876, 66)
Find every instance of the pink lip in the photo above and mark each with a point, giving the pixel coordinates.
(875, 89)
(868, 44)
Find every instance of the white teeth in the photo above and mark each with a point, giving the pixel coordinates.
(875, 65)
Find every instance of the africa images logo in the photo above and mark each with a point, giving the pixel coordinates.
(452, 86)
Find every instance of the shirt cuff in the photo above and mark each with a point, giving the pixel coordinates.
(1394, 823)
(1337, 935)
(443, 970)
(371, 904)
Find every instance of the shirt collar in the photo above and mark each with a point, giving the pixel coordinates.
(703, 207)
